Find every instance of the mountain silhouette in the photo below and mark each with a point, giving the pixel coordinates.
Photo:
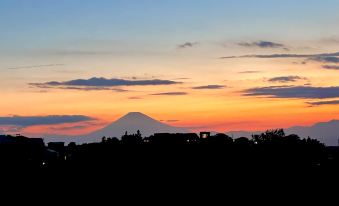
(130, 123)
(325, 132)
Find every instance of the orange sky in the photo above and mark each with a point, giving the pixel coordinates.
(224, 109)
(178, 42)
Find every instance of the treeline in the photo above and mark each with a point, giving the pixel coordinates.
(270, 149)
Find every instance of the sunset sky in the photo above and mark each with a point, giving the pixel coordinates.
(73, 66)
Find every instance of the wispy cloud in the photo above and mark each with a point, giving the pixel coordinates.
(183, 78)
(76, 126)
(170, 94)
(249, 72)
(331, 40)
(95, 89)
(320, 103)
(331, 67)
(326, 59)
(79, 52)
(170, 120)
(102, 83)
(263, 44)
(316, 57)
(69, 128)
(209, 87)
(285, 79)
(187, 45)
(135, 98)
(302, 92)
(37, 66)
(26, 121)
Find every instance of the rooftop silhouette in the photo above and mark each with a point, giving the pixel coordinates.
(272, 148)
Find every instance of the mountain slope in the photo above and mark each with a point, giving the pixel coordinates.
(132, 122)
(325, 132)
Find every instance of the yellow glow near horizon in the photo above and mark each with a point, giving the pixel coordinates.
(221, 110)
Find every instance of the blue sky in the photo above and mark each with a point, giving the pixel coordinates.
(46, 23)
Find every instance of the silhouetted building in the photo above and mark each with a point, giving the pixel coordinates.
(205, 135)
(168, 138)
(220, 139)
(36, 141)
(56, 146)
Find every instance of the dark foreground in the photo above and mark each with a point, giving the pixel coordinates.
(173, 160)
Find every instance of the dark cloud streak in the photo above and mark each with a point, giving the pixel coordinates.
(315, 57)
(331, 67)
(95, 83)
(249, 72)
(326, 59)
(320, 103)
(26, 121)
(170, 94)
(285, 79)
(187, 45)
(301, 92)
(262, 44)
(209, 87)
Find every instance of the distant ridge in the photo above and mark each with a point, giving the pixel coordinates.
(131, 122)
(325, 132)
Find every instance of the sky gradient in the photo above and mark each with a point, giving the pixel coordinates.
(203, 64)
